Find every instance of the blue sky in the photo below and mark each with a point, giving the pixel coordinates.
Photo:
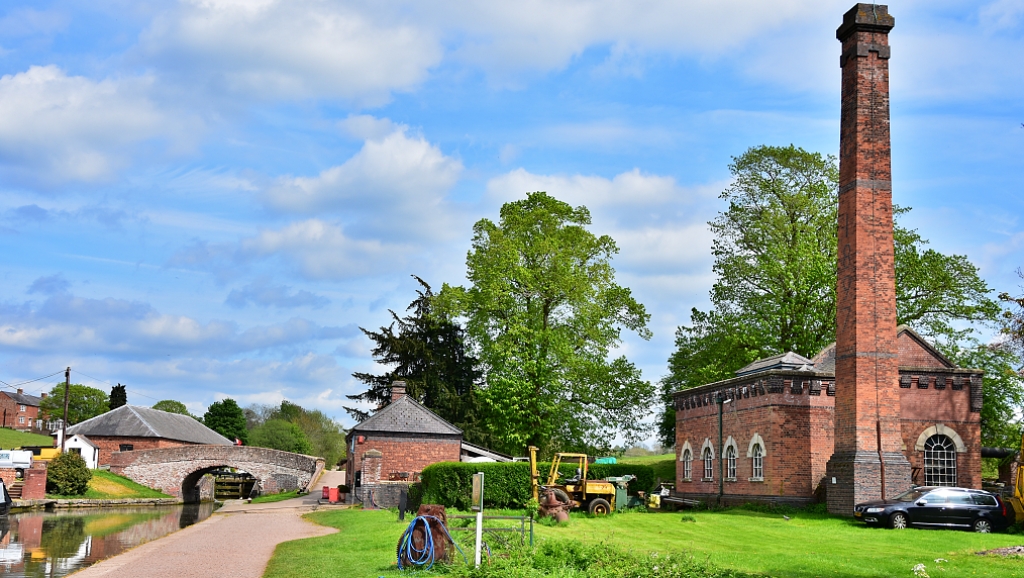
(206, 199)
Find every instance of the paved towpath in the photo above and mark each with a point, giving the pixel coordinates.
(235, 542)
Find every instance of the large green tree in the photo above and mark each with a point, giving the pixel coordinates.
(281, 435)
(1002, 388)
(543, 311)
(227, 419)
(427, 350)
(118, 396)
(325, 436)
(774, 254)
(84, 402)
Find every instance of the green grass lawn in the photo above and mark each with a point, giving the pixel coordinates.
(275, 497)
(107, 486)
(807, 545)
(664, 465)
(10, 439)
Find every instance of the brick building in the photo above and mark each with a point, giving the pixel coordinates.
(19, 410)
(778, 426)
(388, 450)
(131, 427)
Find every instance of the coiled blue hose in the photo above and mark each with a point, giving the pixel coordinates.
(426, 555)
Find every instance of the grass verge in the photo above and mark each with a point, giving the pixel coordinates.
(107, 486)
(267, 498)
(664, 465)
(742, 542)
(15, 439)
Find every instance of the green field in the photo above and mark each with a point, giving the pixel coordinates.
(664, 465)
(10, 439)
(745, 542)
(107, 486)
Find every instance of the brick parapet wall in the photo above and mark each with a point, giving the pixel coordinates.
(110, 445)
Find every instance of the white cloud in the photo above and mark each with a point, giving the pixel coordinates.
(290, 49)
(55, 127)
(320, 250)
(395, 185)
(1002, 14)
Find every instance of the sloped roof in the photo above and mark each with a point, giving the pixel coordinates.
(825, 360)
(788, 360)
(405, 415)
(145, 422)
(23, 398)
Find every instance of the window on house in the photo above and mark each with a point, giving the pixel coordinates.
(21, 419)
(127, 447)
(21, 408)
(939, 461)
(709, 464)
(757, 461)
(687, 464)
(730, 462)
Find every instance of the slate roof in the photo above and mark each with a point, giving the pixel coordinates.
(825, 360)
(788, 360)
(145, 422)
(23, 398)
(406, 416)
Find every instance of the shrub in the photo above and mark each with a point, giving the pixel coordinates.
(507, 485)
(67, 475)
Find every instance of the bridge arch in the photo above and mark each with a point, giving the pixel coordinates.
(177, 471)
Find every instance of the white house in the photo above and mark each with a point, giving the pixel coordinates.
(82, 446)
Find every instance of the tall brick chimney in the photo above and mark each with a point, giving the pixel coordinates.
(397, 390)
(868, 462)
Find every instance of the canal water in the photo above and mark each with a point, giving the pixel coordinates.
(53, 544)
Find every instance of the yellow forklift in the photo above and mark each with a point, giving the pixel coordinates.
(595, 496)
(1017, 501)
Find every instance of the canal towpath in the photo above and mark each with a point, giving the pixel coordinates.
(236, 542)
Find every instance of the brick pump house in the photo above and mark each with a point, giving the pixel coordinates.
(132, 428)
(778, 426)
(388, 450)
(880, 409)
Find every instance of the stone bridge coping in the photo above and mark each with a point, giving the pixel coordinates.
(816, 383)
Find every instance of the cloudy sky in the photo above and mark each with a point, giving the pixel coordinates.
(206, 198)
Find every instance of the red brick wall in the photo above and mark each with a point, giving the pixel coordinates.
(34, 487)
(10, 411)
(111, 444)
(912, 353)
(405, 454)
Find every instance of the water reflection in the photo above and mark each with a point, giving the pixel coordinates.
(53, 544)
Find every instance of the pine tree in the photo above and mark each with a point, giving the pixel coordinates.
(118, 396)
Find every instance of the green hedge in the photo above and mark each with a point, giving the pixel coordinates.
(507, 485)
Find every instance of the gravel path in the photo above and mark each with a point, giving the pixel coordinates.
(235, 545)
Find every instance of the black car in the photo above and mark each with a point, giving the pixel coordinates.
(932, 506)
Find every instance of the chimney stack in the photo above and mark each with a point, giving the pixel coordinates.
(20, 391)
(868, 462)
(397, 390)
(43, 395)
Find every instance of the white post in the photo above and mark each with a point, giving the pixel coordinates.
(477, 500)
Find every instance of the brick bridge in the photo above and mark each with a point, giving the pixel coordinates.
(177, 471)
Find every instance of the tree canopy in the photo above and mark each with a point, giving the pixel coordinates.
(427, 350)
(543, 312)
(84, 402)
(324, 436)
(1002, 388)
(172, 406)
(774, 254)
(281, 435)
(118, 396)
(227, 419)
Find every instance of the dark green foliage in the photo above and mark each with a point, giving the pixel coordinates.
(279, 434)
(227, 419)
(172, 406)
(415, 497)
(1002, 389)
(118, 396)
(67, 475)
(507, 485)
(426, 349)
(84, 402)
(572, 559)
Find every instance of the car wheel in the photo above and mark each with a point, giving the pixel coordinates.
(982, 526)
(599, 507)
(898, 521)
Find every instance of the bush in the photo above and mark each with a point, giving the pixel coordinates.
(507, 485)
(67, 475)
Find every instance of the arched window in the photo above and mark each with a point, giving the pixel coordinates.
(709, 464)
(730, 462)
(939, 461)
(687, 464)
(757, 461)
